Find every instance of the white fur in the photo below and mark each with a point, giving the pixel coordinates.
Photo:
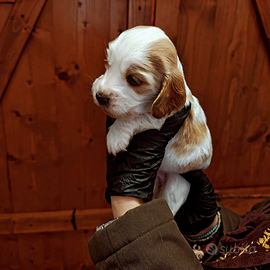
(133, 111)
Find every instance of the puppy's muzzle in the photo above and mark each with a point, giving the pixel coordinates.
(102, 99)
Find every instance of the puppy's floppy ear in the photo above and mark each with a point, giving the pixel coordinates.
(172, 96)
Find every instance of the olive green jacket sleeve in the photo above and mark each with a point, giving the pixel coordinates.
(146, 237)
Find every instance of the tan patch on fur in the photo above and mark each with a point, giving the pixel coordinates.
(137, 72)
(165, 49)
(157, 69)
(172, 96)
(191, 134)
(135, 68)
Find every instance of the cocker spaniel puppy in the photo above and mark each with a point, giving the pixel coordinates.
(144, 84)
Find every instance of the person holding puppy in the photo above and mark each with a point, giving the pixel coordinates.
(144, 234)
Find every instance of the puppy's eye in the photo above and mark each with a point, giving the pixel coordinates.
(132, 80)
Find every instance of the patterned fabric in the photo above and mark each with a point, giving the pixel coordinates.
(249, 246)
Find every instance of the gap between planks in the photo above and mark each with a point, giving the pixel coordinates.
(54, 221)
(239, 200)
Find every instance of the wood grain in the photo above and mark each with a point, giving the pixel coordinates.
(139, 12)
(226, 66)
(5, 189)
(58, 158)
(56, 221)
(168, 20)
(238, 70)
(15, 35)
(62, 250)
(72, 132)
(52, 136)
(241, 200)
(9, 250)
(5, 10)
(264, 11)
(118, 24)
(55, 133)
(33, 159)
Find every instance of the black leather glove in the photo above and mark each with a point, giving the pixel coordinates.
(200, 208)
(133, 172)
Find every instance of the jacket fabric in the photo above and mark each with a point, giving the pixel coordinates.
(147, 237)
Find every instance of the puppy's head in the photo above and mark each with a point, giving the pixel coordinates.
(141, 76)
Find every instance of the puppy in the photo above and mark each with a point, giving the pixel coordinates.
(143, 85)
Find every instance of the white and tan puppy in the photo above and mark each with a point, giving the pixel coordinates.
(143, 85)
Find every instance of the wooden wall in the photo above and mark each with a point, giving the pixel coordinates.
(225, 55)
(52, 137)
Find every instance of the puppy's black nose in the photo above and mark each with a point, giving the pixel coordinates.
(102, 100)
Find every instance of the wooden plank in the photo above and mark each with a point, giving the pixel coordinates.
(81, 133)
(37, 159)
(41, 251)
(195, 37)
(5, 10)
(51, 158)
(244, 192)
(241, 200)
(9, 250)
(7, 1)
(240, 206)
(96, 27)
(30, 113)
(5, 189)
(95, 32)
(78, 258)
(168, 21)
(55, 134)
(56, 221)
(118, 18)
(140, 12)
(15, 35)
(68, 102)
(264, 11)
(61, 250)
(229, 74)
(239, 98)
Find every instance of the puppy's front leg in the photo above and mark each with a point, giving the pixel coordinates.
(122, 131)
(119, 136)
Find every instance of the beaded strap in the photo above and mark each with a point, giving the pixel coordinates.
(207, 235)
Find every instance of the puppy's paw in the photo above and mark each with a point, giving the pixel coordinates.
(117, 142)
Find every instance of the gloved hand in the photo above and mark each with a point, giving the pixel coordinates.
(132, 173)
(200, 208)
